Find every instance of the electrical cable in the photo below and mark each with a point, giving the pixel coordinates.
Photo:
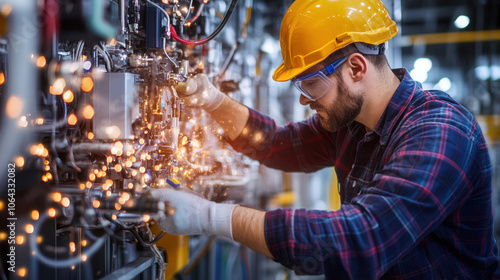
(216, 32)
(196, 16)
(71, 159)
(85, 223)
(53, 137)
(104, 56)
(108, 231)
(118, 223)
(164, 13)
(189, 8)
(103, 47)
(166, 54)
(79, 50)
(59, 263)
(135, 233)
(145, 243)
(159, 259)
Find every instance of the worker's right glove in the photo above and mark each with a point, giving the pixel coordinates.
(194, 214)
(199, 92)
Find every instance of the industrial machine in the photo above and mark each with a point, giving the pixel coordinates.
(92, 122)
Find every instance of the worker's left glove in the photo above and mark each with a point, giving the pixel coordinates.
(194, 214)
(198, 91)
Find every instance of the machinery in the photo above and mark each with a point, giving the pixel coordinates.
(93, 122)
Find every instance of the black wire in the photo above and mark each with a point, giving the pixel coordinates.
(157, 238)
(144, 243)
(224, 21)
(109, 231)
(135, 233)
(118, 223)
(216, 32)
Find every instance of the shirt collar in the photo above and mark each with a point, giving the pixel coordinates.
(398, 104)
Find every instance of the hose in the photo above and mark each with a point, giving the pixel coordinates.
(216, 32)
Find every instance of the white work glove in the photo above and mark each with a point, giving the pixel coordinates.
(198, 91)
(194, 214)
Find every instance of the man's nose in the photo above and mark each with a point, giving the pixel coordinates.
(304, 100)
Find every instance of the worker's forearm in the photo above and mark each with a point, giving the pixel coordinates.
(248, 229)
(247, 223)
(231, 116)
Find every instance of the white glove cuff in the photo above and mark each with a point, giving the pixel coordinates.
(218, 98)
(220, 220)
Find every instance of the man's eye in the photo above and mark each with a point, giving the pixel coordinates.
(309, 83)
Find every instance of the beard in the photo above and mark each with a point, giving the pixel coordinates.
(342, 111)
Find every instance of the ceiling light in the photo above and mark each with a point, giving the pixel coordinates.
(462, 21)
(423, 64)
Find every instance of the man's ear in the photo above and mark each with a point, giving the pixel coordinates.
(357, 64)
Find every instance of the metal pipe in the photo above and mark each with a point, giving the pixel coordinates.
(92, 147)
(123, 16)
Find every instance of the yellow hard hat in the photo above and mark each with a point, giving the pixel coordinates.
(313, 29)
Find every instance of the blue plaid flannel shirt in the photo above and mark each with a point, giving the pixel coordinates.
(416, 192)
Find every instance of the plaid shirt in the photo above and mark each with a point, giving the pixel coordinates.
(416, 192)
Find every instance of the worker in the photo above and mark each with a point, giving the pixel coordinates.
(413, 165)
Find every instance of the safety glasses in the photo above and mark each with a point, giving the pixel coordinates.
(317, 84)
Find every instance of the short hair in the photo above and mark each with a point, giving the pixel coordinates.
(378, 60)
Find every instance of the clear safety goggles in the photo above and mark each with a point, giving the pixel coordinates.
(317, 84)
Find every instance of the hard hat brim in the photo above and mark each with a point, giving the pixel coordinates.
(281, 74)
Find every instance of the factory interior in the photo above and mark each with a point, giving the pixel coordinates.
(90, 121)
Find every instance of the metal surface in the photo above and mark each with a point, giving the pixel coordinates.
(115, 95)
(130, 270)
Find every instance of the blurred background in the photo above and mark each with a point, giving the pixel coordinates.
(91, 123)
